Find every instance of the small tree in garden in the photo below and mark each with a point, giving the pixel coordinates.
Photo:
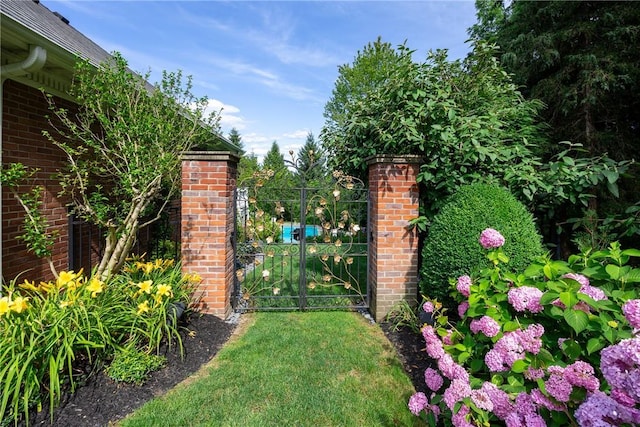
(555, 344)
(123, 148)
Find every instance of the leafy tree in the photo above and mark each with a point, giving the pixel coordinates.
(123, 148)
(356, 82)
(471, 124)
(311, 162)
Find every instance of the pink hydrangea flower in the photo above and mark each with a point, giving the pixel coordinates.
(464, 285)
(583, 280)
(433, 379)
(525, 298)
(487, 325)
(462, 308)
(491, 239)
(631, 311)
(418, 402)
(557, 386)
(457, 390)
(481, 399)
(581, 374)
(502, 405)
(428, 307)
(434, 345)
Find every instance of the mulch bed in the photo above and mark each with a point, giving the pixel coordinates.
(100, 401)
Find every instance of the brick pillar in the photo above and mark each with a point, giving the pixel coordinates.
(208, 185)
(393, 248)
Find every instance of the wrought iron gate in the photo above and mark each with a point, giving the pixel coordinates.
(299, 245)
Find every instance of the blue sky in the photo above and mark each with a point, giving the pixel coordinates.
(270, 65)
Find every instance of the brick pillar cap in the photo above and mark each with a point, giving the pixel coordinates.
(394, 158)
(226, 156)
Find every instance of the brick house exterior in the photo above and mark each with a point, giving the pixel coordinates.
(39, 51)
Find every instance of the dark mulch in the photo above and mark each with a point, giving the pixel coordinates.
(411, 350)
(100, 401)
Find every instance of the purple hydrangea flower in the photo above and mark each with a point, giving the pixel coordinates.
(618, 361)
(493, 360)
(418, 402)
(525, 298)
(596, 293)
(451, 369)
(533, 374)
(487, 325)
(459, 419)
(631, 311)
(601, 410)
(491, 239)
(463, 285)
(543, 401)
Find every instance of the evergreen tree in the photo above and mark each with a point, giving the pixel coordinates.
(582, 60)
(236, 139)
(311, 161)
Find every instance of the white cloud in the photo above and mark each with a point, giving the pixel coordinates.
(297, 134)
(229, 116)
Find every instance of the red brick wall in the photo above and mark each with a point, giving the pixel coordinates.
(208, 184)
(393, 249)
(23, 119)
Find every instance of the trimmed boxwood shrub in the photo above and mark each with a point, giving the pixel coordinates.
(452, 249)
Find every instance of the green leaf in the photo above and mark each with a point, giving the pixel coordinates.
(611, 176)
(519, 366)
(572, 349)
(594, 344)
(510, 326)
(631, 252)
(569, 299)
(577, 319)
(613, 271)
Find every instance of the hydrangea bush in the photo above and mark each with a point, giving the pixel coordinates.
(556, 344)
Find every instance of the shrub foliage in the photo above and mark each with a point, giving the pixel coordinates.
(452, 246)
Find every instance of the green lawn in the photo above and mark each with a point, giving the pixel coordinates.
(292, 369)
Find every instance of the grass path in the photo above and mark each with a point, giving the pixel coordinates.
(292, 369)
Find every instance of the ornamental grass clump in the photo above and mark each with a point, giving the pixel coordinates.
(557, 343)
(47, 330)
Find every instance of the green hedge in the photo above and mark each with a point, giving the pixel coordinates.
(452, 248)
